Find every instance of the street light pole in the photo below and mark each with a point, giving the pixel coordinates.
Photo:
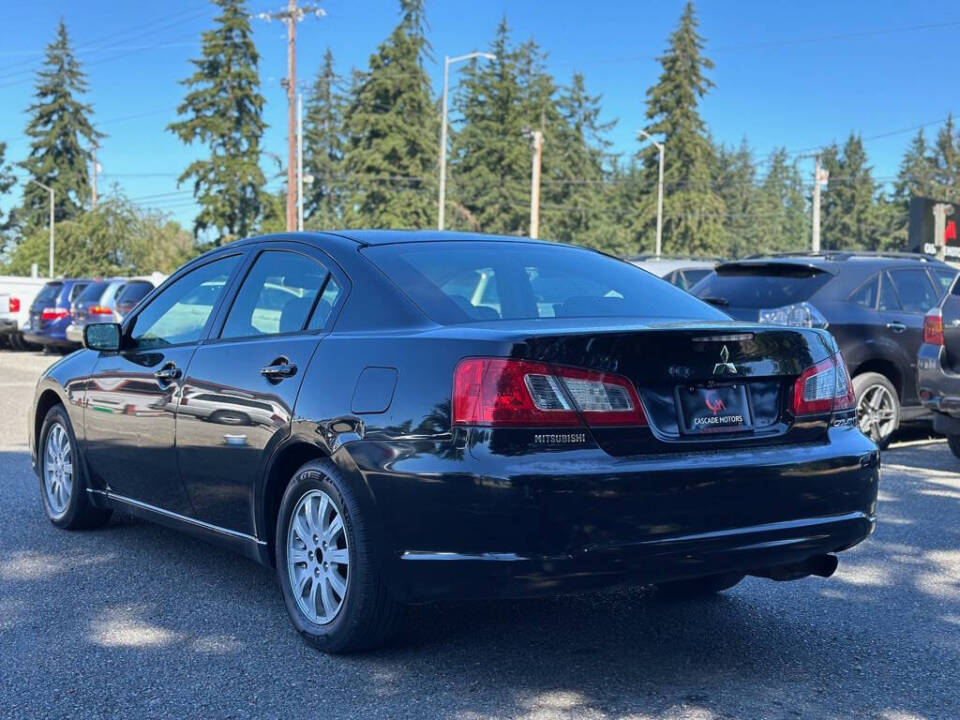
(659, 147)
(447, 62)
(49, 190)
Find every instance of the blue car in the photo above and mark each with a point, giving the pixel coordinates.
(50, 313)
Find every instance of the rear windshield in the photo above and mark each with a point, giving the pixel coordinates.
(457, 282)
(48, 293)
(93, 292)
(134, 292)
(760, 286)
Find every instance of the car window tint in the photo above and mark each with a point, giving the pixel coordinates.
(693, 276)
(48, 293)
(276, 296)
(76, 290)
(943, 280)
(133, 292)
(888, 296)
(762, 286)
(915, 290)
(180, 313)
(459, 282)
(331, 292)
(93, 292)
(866, 295)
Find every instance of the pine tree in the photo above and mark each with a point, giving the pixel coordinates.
(7, 181)
(850, 219)
(946, 162)
(323, 144)
(917, 171)
(224, 110)
(736, 180)
(693, 211)
(392, 129)
(781, 208)
(61, 133)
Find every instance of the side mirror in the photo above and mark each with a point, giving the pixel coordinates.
(104, 337)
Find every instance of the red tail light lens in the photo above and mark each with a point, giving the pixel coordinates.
(13, 304)
(505, 392)
(933, 327)
(53, 314)
(824, 388)
(100, 310)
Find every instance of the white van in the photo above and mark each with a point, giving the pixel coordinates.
(16, 296)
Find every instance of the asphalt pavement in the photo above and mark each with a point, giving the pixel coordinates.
(134, 620)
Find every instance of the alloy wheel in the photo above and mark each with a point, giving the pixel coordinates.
(876, 413)
(318, 559)
(57, 469)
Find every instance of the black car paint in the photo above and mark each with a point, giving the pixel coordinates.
(938, 368)
(472, 510)
(871, 339)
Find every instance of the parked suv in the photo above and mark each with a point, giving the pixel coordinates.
(50, 313)
(132, 293)
(684, 272)
(96, 304)
(938, 367)
(873, 303)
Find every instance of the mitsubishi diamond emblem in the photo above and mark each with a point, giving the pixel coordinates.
(724, 367)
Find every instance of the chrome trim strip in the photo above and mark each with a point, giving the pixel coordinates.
(176, 516)
(766, 527)
(498, 557)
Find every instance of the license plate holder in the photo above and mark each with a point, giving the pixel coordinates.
(714, 408)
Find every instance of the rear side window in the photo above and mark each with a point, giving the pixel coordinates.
(915, 290)
(888, 296)
(48, 293)
(276, 297)
(77, 290)
(133, 293)
(762, 286)
(866, 295)
(693, 276)
(459, 282)
(943, 279)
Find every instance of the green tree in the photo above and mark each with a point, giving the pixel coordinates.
(7, 181)
(850, 220)
(392, 130)
(323, 145)
(61, 133)
(917, 171)
(693, 211)
(946, 162)
(737, 187)
(782, 224)
(224, 110)
(117, 239)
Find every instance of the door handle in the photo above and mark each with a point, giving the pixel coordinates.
(167, 373)
(278, 370)
(897, 327)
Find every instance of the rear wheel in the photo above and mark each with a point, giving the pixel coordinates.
(326, 564)
(878, 407)
(62, 478)
(699, 587)
(954, 442)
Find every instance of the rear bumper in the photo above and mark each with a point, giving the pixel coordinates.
(8, 325)
(74, 333)
(939, 389)
(487, 525)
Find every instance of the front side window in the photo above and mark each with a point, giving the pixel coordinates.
(915, 290)
(461, 282)
(276, 297)
(181, 312)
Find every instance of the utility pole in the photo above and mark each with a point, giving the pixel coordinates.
(49, 190)
(300, 162)
(660, 148)
(291, 16)
(537, 139)
(819, 176)
(93, 184)
(447, 62)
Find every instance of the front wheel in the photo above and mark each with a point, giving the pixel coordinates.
(62, 478)
(326, 564)
(878, 407)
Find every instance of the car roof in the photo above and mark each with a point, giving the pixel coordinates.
(390, 237)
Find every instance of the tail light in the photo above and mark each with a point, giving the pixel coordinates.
(13, 304)
(54, 314)
(933, 327)
(824, 388)
(508, 392)
(100, 310)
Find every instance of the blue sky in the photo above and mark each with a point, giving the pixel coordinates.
(796, 74)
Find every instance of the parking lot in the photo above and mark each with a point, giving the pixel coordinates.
(134, 618)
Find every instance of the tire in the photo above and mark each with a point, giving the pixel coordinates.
(878, 407)
(700, 587)
(63, 479)
(16, 342)
(954, 442)
(366, 615)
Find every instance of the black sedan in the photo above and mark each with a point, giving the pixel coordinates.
(391, 418)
